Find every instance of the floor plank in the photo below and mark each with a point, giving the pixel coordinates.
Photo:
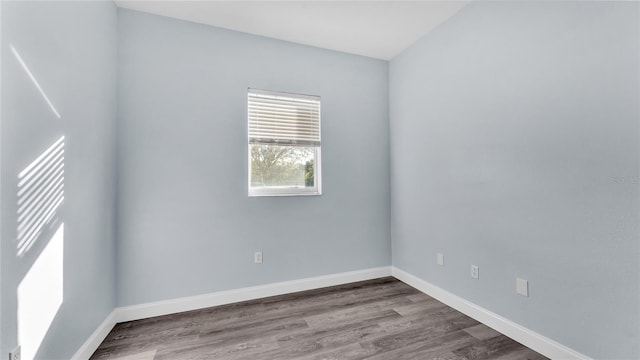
(377, 320)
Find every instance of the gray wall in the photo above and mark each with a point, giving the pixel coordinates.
(185, 223)
(70, 48)
(515, 147)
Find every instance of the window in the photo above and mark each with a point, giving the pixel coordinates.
(284, 144)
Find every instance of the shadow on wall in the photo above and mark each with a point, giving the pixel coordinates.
(40, 236)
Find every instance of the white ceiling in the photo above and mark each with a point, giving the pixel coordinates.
(378, 29)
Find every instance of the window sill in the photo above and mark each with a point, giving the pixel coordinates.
(284, 192)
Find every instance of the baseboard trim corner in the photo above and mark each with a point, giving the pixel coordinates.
(533, 340)
(519, 333)
(159, 308)
(89, 347)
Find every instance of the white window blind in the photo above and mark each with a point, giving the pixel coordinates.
(283, 118)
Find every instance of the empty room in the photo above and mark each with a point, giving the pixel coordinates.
(319, 180)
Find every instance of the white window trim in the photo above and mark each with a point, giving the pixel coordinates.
(288, 190)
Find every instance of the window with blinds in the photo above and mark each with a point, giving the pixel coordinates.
(284, 143)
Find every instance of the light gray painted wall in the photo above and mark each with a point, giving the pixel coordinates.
(515, 147)
(185, 223)
(70, 48)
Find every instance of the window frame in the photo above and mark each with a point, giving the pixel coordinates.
(316, 190)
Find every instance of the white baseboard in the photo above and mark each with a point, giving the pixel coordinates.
(519, 333)
(89, 347)
(159, 308)
(173, 306)
(535, 341)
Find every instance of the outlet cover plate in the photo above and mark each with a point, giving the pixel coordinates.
(440, 259)
(522, 287)
(475, 272)
(257, 257)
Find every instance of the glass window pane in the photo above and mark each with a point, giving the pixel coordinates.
(278, 166)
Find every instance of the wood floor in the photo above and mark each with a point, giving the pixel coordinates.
(378, 319)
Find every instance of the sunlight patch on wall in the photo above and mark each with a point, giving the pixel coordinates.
(40, 295)
(33, 79)
(40, 195)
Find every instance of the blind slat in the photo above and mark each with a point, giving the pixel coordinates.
(276, 115)
(285, 123)
(284, 105)
(272, 141)
(295, 110)
(281, 118)
(283, 134)
(287, 132)
(280, 102)
(289, 109)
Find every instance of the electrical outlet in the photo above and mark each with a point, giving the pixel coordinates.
(440, 259)
(15, 354)
(522, 287)
(257, 257)
(475, 272)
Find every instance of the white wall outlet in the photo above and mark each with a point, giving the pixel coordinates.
(475, 272)
(522, 287)
(15, 354)
(440, 259)
(257, 257)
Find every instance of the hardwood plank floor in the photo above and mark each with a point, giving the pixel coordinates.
(381, 319)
